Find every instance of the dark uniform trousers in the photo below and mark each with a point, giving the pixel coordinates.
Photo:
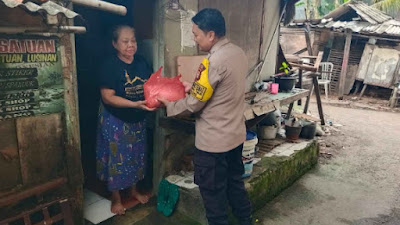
(219, 177)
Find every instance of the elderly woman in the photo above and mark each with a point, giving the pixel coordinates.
(121, 138)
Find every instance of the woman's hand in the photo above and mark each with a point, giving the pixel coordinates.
(142, 105)
(109, 98)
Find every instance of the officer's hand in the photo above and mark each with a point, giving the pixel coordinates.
(187, 86)
(163, 101)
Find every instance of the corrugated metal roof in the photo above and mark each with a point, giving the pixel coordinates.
(370, 14)
(48, 7)
(390, 27)
(371, 21)
(366, 13)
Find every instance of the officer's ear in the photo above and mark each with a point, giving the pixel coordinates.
(211, 36)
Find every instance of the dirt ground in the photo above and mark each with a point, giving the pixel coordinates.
(357, 180)
(363, 103)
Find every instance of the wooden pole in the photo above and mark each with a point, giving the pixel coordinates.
(300, 83)
(363, 90)
(289, 113)
(308, 99)
(345, 63)
(308, 39)
(53, 29)
(102, 5)
(393, 99)
(319, 103)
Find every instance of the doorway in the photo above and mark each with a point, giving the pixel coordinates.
(93, 49)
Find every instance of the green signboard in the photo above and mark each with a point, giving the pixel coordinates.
(31, 81)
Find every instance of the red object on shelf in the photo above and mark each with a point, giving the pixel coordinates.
(170, 89)
(274, 88)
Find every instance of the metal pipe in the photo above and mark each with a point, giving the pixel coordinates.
(102, 5)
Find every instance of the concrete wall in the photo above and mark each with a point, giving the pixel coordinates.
(270, 37)
(178, 38)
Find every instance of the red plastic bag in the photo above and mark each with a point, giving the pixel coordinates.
(170, 89)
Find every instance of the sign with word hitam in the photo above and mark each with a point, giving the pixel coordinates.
(31, 81)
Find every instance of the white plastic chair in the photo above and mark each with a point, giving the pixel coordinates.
(326, 74)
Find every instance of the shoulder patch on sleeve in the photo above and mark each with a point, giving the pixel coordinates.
(201, 88)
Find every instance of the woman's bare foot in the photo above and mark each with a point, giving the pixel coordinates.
(141, 198)
(116, 205)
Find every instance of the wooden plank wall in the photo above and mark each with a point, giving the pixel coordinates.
(44, 147)
(72, 135)
(336, 57)
(365, 59)
(243, 23)
(10, 173)
(41, 149)
(19, 17)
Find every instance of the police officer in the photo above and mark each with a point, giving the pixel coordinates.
(217, 99)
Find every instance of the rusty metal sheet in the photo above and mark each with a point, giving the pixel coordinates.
(41, 148)
(367, 13)
(48, 7)
(382, 67)
(10, 171)
(372, 21)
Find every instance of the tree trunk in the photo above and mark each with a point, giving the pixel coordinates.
(337, 3)
(316, 7)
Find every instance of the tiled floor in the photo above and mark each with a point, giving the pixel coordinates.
(96, 209)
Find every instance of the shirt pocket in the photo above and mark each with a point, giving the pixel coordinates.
(204, 171)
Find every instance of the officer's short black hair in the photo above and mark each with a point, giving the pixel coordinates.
(210, 20)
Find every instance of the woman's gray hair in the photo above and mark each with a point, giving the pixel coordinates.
(117, 31)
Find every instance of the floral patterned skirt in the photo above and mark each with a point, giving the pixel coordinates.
(121, 151)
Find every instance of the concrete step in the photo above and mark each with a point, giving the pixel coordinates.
(276, 171)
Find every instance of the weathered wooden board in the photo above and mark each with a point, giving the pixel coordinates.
(41, 148)
(243, 23)
(272, 102)
(336, 57)
(18, 16)
(350, 78)
(345, 64)
(10, 172)
(366, 57)
(188, 66)
(381, 69)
